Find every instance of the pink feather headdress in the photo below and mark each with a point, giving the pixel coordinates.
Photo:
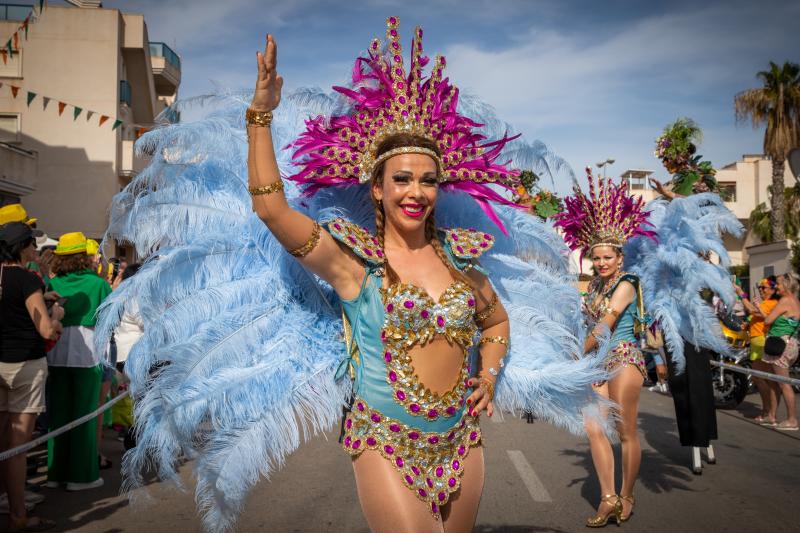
(387, 100)
(609, 216)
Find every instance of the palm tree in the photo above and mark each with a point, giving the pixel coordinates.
(776, 105)
(761, 217)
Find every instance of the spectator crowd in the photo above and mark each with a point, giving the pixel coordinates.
(50, 371)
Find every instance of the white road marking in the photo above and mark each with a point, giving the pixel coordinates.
(529, 477)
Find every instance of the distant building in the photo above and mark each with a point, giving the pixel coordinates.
(66, 171)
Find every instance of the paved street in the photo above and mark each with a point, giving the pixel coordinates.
(538, 479)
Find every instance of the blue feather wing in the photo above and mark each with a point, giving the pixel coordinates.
(241, 344)
(673, 271)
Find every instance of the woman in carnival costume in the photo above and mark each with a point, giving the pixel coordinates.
(663, 246)
(599, 225)
(242, 353)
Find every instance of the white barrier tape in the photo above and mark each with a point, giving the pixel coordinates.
(757, 373)
(63, 429)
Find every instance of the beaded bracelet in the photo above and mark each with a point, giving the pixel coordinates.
(258, 118)
(498, 340)
(310, 244)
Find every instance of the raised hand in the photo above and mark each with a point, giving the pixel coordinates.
(267, 95)
(659, 187)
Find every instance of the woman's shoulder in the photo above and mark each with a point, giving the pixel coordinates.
(466, 244)
(627, 280)
(357, 238)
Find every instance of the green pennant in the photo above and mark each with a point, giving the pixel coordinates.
(10, 49)
(117, 124)
(41, 6)
(76, 112)
(31, 96)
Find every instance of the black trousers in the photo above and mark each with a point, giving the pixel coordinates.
(693, 395)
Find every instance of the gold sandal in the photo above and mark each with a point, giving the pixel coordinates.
(600, 520)
(631, 500)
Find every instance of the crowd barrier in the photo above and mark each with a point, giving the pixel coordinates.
(63, 429)
(758, 373)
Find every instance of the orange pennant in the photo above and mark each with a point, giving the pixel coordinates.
(61, 106)
(14, 90)
(4, 53)
(16, 41)
(103, 119)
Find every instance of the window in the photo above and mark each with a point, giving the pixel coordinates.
(12, 67)
(9, 127)
(727, 191)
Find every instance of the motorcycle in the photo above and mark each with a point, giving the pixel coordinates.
(730, 387)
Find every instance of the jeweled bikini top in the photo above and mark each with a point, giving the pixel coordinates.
(412, 316)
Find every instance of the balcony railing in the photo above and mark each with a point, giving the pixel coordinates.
(125, 92)
(15, 11)
(162, 50)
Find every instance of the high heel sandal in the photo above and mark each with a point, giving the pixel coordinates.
(600, 520)
(631, 500)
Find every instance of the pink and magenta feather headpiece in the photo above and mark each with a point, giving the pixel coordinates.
(609, 216)
(387, 100)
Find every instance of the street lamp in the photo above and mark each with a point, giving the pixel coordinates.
(602, 164)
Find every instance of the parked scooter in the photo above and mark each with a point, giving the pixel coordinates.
(730, 387)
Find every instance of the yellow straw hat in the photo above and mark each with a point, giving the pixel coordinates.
(71, 243)
(92, 247)
(15, 213)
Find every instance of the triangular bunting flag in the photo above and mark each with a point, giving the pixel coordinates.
(16, 40)
(45, 101)
(10, 49)
(76, 112)
(89, 115)
(25, 25)
(31, 96)
(14, 90)
(61, 106)
(103, 119)
(41, 6)
(4, 53)
(117, 124)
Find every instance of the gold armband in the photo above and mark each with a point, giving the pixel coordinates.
(258, 118)
(310, 244)
(488, 310)
(266, 189)
(498, 340)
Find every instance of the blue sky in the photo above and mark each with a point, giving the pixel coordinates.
(591, 79)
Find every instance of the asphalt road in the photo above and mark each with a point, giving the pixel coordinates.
(538, 479)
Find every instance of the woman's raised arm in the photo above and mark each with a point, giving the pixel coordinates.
(299, 234)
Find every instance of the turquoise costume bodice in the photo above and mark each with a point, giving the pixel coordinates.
(425, 435)
(597, 307)
(380, 375)
(624, 332)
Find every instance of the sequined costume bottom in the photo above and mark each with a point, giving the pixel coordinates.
(430, 464)
(624, 354)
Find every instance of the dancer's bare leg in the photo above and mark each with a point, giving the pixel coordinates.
(624, 389)
(387, 504)
(461, 511)
(602, 455)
